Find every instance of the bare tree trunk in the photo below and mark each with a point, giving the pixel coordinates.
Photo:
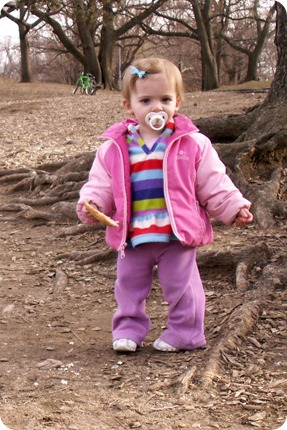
(271, 115)
(251, 74)
(108, 41)
(92, 64)
(24, 27)
(279, 85)
(208, 60)
(26, 73)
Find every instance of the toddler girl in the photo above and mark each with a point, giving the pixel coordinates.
(161, 179)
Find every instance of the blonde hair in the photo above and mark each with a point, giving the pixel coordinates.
(152, 65)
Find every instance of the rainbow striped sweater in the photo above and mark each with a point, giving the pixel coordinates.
(149, 220)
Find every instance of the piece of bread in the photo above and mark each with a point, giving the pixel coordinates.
(100, 216)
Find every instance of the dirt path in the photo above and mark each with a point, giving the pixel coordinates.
(57, 368)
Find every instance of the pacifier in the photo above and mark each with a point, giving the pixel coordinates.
(156, 120)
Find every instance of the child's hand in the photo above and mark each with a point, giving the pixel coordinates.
(84, 214)
(100, 216)
(88, 217)
(86, 211)
(243, 217)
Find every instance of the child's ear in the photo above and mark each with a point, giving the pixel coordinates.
(127, 106)
(178, 103)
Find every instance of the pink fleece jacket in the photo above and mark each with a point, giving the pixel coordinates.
(195, 185)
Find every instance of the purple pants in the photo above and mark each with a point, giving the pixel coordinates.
(182, 289)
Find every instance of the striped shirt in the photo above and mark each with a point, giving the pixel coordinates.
(149, 219)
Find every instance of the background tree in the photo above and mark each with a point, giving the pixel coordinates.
(94, 33)
(243, 37)
(24, 27)
(199, 30)
(210, 79)
(86, 17)
(211, 26)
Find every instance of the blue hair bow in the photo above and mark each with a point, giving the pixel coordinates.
(135, 71)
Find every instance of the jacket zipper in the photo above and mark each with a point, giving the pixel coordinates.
(123, 243)
(166, 192)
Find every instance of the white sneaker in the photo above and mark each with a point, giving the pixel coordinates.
(161, 345)
(124, 345)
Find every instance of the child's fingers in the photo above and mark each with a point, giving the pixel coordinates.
(243, 217)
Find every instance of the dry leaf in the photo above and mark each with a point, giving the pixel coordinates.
(259, 416)
(50, 363)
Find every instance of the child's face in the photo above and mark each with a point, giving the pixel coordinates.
(152, 94)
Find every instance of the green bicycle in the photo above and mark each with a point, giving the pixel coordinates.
(87, 84)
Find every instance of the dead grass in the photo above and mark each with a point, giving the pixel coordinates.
(251, 85)
(45, 122)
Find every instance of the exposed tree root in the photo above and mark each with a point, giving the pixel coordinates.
(30, 214)
(240, 323)
(257, 255)
(46, 187)
(59, 211)
(92, 257)
(20, 178)
(181, 382)
(242, 276)
(65, 210)
(45, 201)
(273, 275)
(240, 262)
(265, 200)
(61, 281)
(258, 167)
(79, 229)
(224, 128)
(7, 173)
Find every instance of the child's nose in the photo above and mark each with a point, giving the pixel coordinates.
(157, 106)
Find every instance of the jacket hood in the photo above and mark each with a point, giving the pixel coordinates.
(118, 129)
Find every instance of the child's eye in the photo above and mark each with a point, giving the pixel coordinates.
(166, 99)
(145, 101)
